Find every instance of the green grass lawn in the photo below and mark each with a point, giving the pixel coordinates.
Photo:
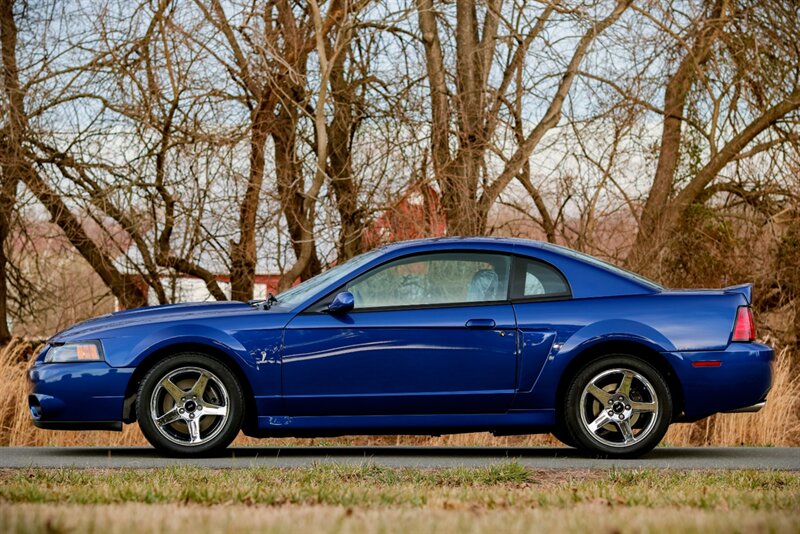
(329, 498)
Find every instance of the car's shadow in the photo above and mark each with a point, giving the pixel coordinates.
(660, 453)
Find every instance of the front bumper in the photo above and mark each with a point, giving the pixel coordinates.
(738, 380)
(79, 396)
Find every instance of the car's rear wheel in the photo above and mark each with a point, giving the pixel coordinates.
(190, 405)
(618, 406)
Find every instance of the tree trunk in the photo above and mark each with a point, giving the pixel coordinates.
(10, 154)
(346, 116)
(461, 201)
(243, 252)
(5, 333)
(290, 182)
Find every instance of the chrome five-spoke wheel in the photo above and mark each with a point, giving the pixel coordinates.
(190, 404)
(618, 405)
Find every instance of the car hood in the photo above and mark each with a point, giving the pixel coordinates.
(150, 314)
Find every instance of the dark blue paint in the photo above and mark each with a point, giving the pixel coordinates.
(400, 362)
(513, 422)
(743, 379)
(90, 391)
(342, 303)
(494, 367)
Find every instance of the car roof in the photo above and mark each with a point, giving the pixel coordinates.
(467, 240)
(517, 243)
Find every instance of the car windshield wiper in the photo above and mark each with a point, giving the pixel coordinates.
(263, 304)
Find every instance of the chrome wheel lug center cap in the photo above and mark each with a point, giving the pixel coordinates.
(190, 406)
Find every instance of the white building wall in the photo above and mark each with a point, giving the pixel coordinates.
(194, 290)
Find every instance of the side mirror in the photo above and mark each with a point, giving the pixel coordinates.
(342, 303)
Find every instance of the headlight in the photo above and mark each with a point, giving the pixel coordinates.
(86, 351)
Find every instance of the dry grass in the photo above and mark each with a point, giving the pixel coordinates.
(369, 498)
(776, 425)
(596, 518)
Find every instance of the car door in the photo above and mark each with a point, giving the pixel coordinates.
(429, 333)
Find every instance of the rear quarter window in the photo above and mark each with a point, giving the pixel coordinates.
(535, 279)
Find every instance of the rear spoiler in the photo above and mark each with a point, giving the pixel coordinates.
(746, 290)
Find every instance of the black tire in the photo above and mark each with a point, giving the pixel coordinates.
(221, 396)
(561, 433)
(637, 421)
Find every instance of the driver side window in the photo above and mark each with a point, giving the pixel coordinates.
(430, 279)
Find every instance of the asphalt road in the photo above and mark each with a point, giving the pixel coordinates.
(535, 457)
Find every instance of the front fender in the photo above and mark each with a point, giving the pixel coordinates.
(119, 353)
(255, 351)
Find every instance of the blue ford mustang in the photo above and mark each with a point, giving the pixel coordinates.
(422, 337)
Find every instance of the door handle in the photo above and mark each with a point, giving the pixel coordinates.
(480, 323)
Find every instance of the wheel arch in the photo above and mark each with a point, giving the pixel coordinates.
(151, 359)
(643, 351)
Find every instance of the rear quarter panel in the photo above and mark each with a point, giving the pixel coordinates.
(668, 323)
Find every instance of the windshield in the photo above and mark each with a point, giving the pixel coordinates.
(605, 265)
(304, 290)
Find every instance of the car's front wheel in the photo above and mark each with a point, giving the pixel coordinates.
(618, 406)
(190, 404)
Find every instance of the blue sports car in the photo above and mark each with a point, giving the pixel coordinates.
(435, 336)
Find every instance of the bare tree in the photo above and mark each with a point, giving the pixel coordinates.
(193, 138)
(473, 104)
(267, 54)
(739, 69)
(19, 166)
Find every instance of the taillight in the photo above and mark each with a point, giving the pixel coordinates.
(744, 329)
